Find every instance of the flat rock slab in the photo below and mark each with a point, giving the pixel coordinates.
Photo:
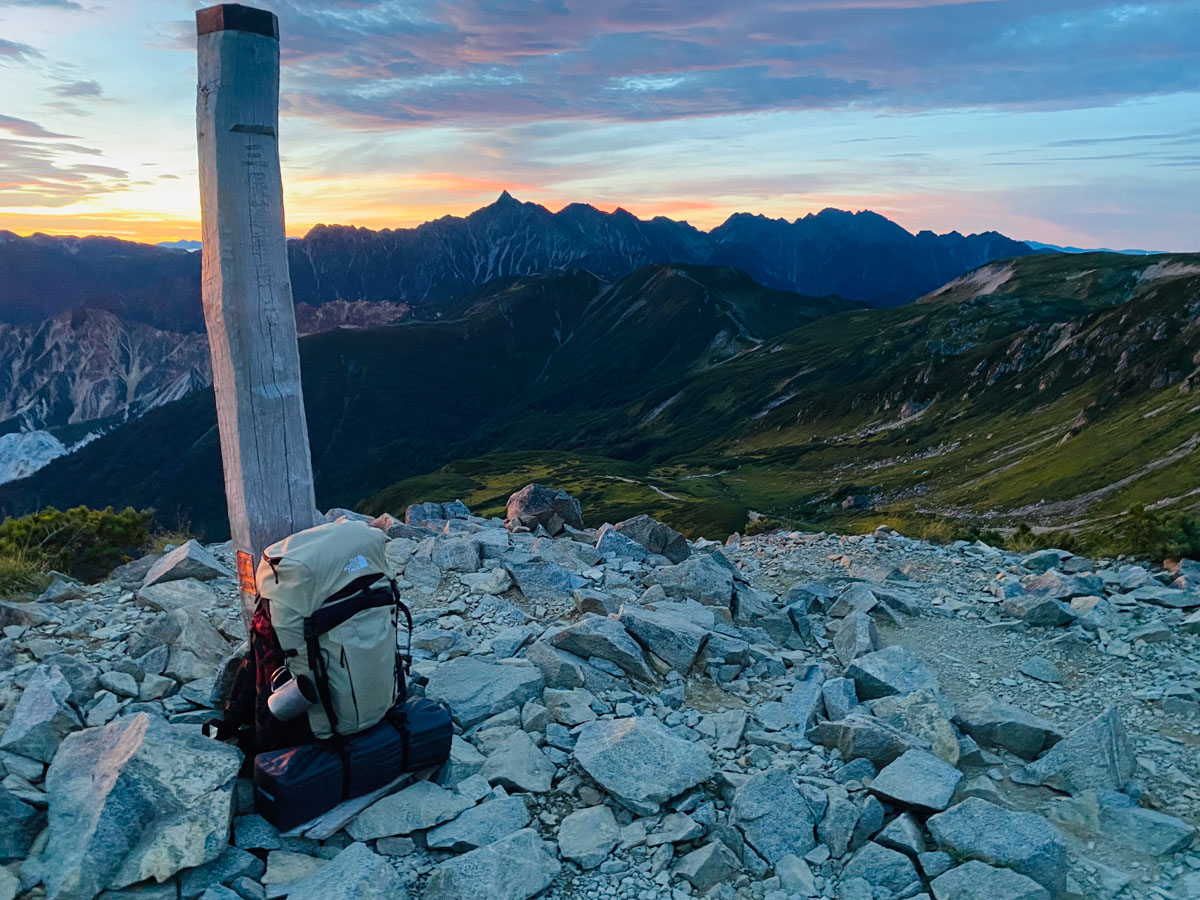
(542, 581)
(919, 780)
(1001, 725)
(587, 836)
(892, 670)
(356, 873)
(773, 816)
(43, 716)
(416, 808)
(1024, 842)
(168, 595)
(860, 736)
(670, 637)
(1095, 756)
(475, 690)
(481, 825)
(882, 868)
(188, 561)
(977, 881)
(700, 578)
(517, 764)
(514, 868)
(639, 762)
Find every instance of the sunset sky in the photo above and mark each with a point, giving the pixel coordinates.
(1063, 121)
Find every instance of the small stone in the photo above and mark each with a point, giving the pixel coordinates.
(119, 683)
(708, 866)
(188, 561)
(882, 868)
(285, 865)
(995, 724)
(772, 814)
(1042, 669)
(518, 765)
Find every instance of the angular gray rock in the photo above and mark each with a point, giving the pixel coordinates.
(708, 866)
(514, 868)
(195, 648)
(544, 581)
(1002, 725)
(168, 595)
(1095, 756)
(480, 825)
(610, 542)
(840, 697)
(356, 873)
(669, 637)
(1038, 609)
(655, 537)
(773, 816)
(920, 714)
(133, 800)
(1145, 830)
(20, 823)
(856, 636)
(536, 504)
(475, 690)
(882, 868)
(587, 836)
(800, 706)
(518, 765)
(1042, 669)
(458, 554)
(892, 670)
(415, 808)
(464, 761)
(600, 636)
(700, 578)
(43, 716)
(190, 560)
(860, 736)
(978, 881)
(639, 762)
(1023, 842)
(918, 780)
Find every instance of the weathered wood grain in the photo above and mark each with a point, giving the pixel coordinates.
(246, 287)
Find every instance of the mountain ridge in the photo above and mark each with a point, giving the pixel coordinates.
(862, 256)
(1048, 388)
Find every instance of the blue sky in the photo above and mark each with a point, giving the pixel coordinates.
(1066, 122)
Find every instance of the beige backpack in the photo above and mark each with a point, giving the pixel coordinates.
(335, 613)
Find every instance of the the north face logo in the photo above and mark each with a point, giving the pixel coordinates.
(358, 562)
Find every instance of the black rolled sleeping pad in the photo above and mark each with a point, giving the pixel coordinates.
(295, 785)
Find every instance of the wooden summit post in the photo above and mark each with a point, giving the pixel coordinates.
(247, 291)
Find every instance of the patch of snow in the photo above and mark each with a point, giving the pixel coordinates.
(24, 452)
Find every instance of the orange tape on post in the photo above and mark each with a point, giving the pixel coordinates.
(245, 569)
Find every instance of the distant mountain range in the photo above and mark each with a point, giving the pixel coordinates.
(861, 256)
(1055, 248)
(1048, 388)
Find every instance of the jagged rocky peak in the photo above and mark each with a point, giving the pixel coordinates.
(789, 715)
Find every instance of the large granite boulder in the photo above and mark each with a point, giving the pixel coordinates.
(670, 637)
(134, 800)
(892, 670)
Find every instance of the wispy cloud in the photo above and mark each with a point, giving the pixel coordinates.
(25, 128)
(15, 51)
(378, 63)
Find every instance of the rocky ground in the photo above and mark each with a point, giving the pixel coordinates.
(785, 716)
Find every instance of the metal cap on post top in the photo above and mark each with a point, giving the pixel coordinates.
(235, 17)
